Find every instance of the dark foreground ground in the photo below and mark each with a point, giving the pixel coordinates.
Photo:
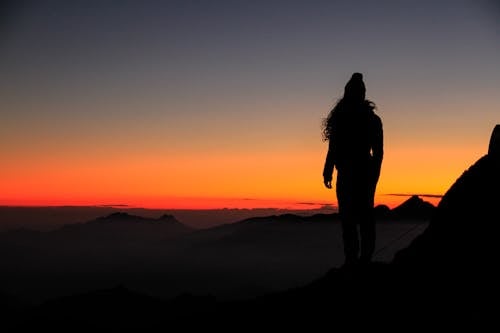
(374, 296)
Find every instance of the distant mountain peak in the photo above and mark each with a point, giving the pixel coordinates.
(119, 215)
(413, 200)
(414, 207)
(128, 226)
(167, 217)
(126, 218)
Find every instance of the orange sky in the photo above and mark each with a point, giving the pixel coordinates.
(280, 179)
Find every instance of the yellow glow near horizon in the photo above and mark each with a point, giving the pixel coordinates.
(281, 178)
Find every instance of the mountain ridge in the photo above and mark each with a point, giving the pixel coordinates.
(414, 208)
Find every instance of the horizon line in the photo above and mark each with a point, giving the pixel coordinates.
(245, 203)
(425, 195)
(324, 207)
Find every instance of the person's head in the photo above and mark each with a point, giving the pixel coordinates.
(354, 99)
(355, 88)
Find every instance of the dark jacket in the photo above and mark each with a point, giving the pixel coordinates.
(356, 141)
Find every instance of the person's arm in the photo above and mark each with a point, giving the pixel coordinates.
(378, 146)
(329, 164)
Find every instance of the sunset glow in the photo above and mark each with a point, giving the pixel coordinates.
(177, 106)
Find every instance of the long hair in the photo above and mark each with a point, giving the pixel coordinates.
(342, 104)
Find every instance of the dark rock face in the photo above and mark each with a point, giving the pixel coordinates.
(447, 276)
(456, 255)
(494, 147)
(464, 228)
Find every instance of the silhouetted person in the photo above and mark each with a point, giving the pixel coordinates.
(355, 149)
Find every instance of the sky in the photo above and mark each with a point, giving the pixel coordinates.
(212, 104)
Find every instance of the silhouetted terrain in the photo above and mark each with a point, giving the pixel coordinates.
(164, 258)
(51, 218)
(124, 227)
(446, 278)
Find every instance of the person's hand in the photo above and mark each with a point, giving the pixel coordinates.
(328, 183)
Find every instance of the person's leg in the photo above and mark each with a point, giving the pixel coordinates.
(351, 241)
(368, 238)
(367, 225)
(347, 212)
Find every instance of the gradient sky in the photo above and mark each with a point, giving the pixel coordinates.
(196, 104)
